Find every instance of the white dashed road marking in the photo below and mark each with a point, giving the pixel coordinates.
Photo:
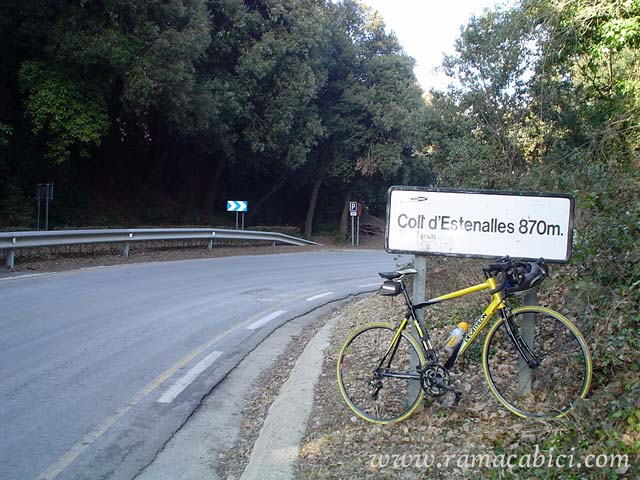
(264, 320)
(182, 383)
(315, 297)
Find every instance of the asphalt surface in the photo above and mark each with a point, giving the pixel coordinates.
(203, 448)
(102, 366)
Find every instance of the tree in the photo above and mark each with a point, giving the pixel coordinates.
(369, 107)
(282, 69)
(69, 111)
(180, 101)
(495, 55)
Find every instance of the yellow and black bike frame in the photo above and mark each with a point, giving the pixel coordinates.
(497, 304)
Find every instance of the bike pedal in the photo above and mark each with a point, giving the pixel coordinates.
(457, 396)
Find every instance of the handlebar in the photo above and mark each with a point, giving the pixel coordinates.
(501, 266)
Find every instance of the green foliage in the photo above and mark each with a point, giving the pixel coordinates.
(201, 98)
(16, 209)
(64, 110)
(549, 99)
(281, 83)
(5, 133)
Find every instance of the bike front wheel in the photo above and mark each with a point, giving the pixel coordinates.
(562, 377)
(378, 373)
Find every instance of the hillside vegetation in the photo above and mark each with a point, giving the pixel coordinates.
(158, 112)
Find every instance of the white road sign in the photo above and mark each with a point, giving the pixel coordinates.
(479, 223)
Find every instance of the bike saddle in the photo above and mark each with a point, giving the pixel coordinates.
(397, 273)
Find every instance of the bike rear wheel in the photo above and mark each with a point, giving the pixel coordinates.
(551, 389)
(379, 380)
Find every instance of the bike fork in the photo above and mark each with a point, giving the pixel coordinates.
(523, 348)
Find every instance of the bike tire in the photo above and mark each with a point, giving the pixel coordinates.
(357, 362)
(553, 388)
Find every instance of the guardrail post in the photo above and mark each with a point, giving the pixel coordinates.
(126, 249)
(210, 244)
(11, 258)
(418, 296)
(527, 331)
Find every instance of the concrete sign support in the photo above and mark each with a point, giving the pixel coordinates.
(419, 295)
(527, 330)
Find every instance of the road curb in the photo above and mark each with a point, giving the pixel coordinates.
(278, 444)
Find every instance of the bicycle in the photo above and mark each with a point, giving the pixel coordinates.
(535, 361)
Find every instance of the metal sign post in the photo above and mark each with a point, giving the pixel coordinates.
(44, 191)
(359, 212)
(238, 206)
(353, 212)
(38, 200)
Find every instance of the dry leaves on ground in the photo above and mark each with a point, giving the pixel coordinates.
(437, 441)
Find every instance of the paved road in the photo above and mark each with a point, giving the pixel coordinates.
(100, 367)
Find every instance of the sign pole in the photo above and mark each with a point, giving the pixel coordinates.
(419, 296)
(46, 214)
(352, 236)
(353, 212)
(38, 198)
(238, 206)
(358, 231)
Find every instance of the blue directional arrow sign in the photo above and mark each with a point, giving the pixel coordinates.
(237, 205)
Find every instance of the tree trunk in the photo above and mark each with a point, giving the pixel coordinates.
(308, 224)
(274, 189)
(344, 219)
(212, 191)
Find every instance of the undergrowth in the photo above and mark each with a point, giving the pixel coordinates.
(606, 426)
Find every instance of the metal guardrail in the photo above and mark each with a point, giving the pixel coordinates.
(10, 241)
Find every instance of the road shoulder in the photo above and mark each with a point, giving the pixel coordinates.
(277, 446)
(218, 439)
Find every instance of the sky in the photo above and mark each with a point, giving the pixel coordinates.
(427, 29)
